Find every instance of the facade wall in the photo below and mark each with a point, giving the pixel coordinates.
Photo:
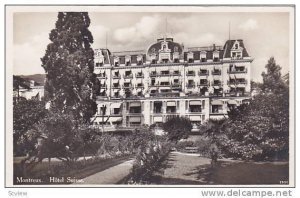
(164, 83)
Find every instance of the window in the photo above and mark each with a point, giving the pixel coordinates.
(140, 93)
(116, 111)
(195, 108)
(191, 73)
(203, 56)
(217, 82)
(203, 82)
(191, 83)
(135, 110)
(171, 109)
(165, 72)
(176, 72)
(128, 73)
(152, 81)
(165, 83)
(157, 107)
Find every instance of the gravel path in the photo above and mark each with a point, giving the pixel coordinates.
(111, 175)
(183, 168)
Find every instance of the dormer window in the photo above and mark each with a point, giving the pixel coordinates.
(216, 56)
(139, 60)
(203, 56)
(116, 61)
(127, 60)
(236, 51)
(153, 58)
(190, 57)
(236, 46)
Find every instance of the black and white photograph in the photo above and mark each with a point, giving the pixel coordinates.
(150, 96)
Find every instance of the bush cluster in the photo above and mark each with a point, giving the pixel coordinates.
(148, 160)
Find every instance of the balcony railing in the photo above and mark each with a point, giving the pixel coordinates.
(164, 74)
(164, 94)
(116, 77)
(176, 85)
(116, 86)
(203, 73)
(204, 84)
(237, 82)
(128, 76)
(139, 75)
(153, 74)
(190, 85)
(190, 74)
(139, 86)
(245, 94)
(216, 72)
(216, 84)
(127, 86)
(237, 71)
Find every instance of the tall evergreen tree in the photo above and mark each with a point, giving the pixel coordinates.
(71, 84)
(272, 80)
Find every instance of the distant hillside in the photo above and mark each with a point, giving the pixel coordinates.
(39, 78)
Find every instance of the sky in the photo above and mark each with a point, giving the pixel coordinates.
(265, 34)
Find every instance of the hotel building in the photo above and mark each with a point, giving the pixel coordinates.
(149, 86)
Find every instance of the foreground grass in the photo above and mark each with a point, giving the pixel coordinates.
(184, 169)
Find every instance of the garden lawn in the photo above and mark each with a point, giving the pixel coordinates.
(190, 169)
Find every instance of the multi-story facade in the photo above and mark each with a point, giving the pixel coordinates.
(166, 80)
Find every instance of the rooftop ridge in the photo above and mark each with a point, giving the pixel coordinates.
(206, 48)
(128, 51)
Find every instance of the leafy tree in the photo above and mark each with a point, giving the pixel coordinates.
(272, 80)
(177, 128)
(61, 137)
(70, 84)
(26, 113)
(19, 82)
(260, 129)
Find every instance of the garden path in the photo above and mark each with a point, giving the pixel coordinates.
(111, 175)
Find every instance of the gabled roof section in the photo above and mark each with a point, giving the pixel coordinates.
(228, 46)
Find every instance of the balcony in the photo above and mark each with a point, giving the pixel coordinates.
(116, 86)
(190, 86)
(139, 75)
(167, 94)
(140, 86)
(164, 74)
(237, 82)
(175, 74)
(117, 77)
(127, 86)
(205, 83)
(176, 85)
(190, 74)
(238, 94)
(153, 74)
(216, 72)
(128, 76)
(218, 83)
(203, 73)
(237, 71)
